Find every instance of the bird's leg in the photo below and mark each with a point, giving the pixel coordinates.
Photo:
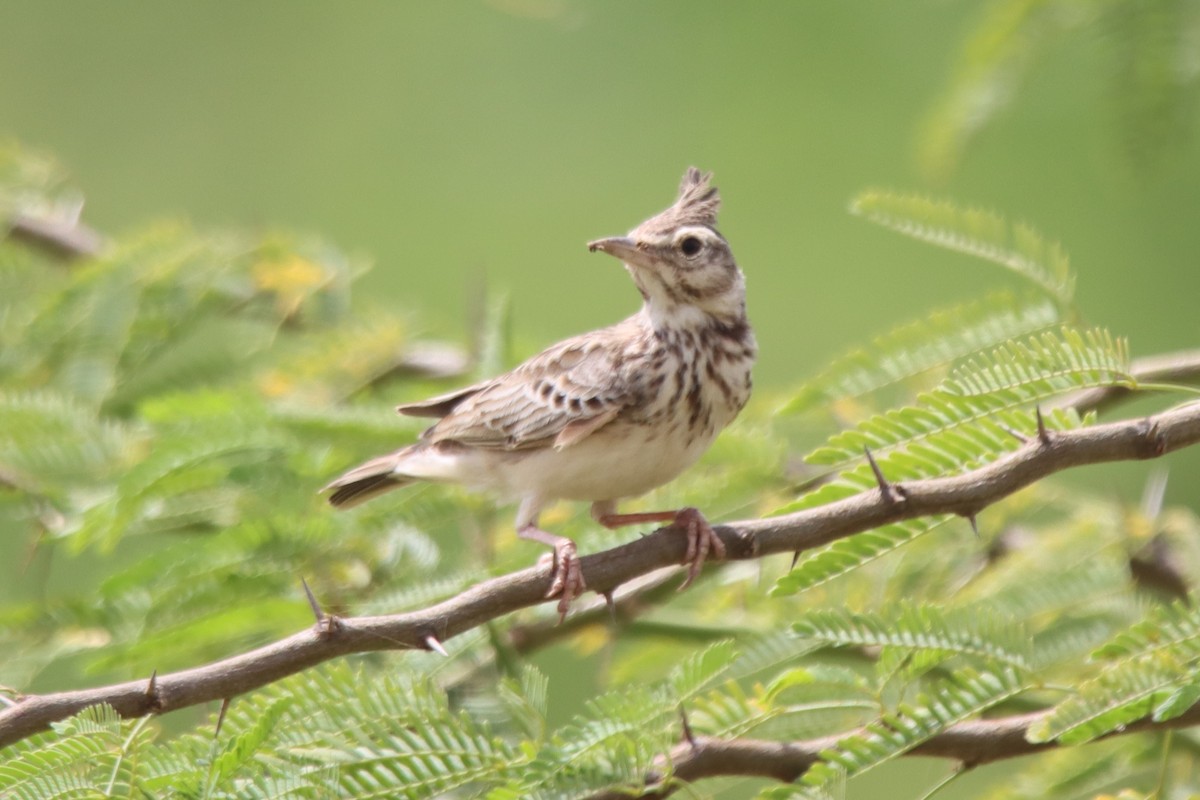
(567, 581)
(701, 539)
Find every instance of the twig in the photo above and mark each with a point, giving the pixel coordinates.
(1179, 367)
(970, 743)
(66, 237)
(1145, 438)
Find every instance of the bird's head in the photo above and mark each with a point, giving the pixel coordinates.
(681, 264)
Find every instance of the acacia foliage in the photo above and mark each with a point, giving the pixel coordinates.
(169, 408)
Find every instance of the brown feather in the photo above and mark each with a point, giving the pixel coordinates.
(580, 429)
(366, 481)
(441, 405)
(574, 382)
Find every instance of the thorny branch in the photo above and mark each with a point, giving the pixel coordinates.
(971, 744)
(425, 629)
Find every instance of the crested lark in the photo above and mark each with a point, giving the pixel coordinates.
(607, 415)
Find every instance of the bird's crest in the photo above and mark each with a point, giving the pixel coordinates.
(698, 199)
(697, 204)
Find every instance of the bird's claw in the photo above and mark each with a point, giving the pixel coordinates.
(567, 582)
(701, 540)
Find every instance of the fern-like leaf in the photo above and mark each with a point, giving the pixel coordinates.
(964, 694)
(924, 346)
(1120, 695)
(615, 744)
(975, 232)
(52, 439)
(1041, 366)
(990, 65)
(92, 754)
(968, 421)
(950, 453)
(1174, 627)
(242, 747)
(703, 669)
(973, 632)
(853, 552)
(1082, 773)
(978, 399)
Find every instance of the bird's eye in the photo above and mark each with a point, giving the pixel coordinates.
(690, 246)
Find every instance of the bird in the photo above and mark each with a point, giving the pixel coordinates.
(607, 415)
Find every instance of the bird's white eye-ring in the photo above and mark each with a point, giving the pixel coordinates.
(690, 246)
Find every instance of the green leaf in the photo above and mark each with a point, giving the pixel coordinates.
(245, 745)
(924, 346)
(1110, 702)
(991, 63)
(968, 631)
(701, 670)
(83, 357)
(1042, 365)
(52, 441)
(91, 754)
(1175, 627)
(971, 419)
(527, 702)
(962, 695)
(974, 232)
(846, 555)
(1153, 670)
(1177, 702)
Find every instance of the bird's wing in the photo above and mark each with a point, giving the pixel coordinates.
(556, 398)
(441, 405)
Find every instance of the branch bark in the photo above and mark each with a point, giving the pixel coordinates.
(965, 494)
(1182, 367)
(971, 743)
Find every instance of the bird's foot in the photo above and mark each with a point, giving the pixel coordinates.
(567, 582)
(701, 540)
(566, 578)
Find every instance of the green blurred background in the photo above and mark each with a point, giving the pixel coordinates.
(449, 141)
(455, 142)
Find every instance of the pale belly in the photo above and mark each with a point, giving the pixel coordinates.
(624, 461)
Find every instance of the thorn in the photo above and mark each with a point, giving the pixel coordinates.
(688, 735)
(8, 701)
(611, 604)
(1043, 434)
(152, 696)
(1158, 442)
(312, 602)
(891, 492)
(221, 716)
(326, 623)
(795, 558)
(1020, 437)
(885, 487)
(974, 523)
(435, 646)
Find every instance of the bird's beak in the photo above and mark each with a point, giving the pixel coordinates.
(621, 247)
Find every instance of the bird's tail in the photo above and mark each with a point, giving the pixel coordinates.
(368, 480)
